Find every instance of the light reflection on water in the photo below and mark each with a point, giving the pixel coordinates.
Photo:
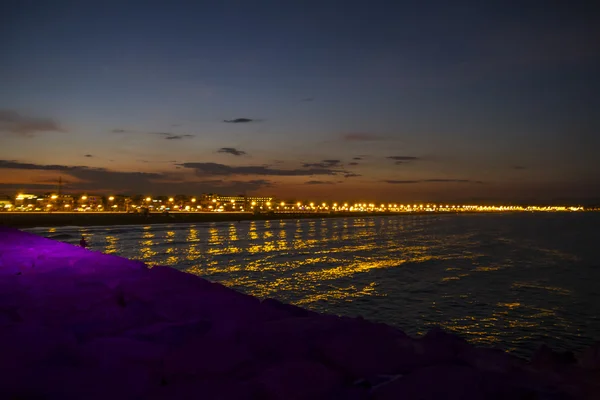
(511, 281)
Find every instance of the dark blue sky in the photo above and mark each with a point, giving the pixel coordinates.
(429, 100)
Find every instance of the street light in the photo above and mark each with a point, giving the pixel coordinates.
(148, 199)
(111, 198)
(193, 200)
(83, 197)
(171, 199)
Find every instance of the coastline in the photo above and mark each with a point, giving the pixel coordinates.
(57, 219)
(82, 324)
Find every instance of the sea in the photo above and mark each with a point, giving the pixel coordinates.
(511, 281)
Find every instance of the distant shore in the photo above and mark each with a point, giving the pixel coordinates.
(38, 219)
(56, 219)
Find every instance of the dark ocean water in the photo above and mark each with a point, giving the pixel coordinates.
(511, 281)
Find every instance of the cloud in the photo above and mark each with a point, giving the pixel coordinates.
(166, 135)
(319, 183)
(13, 122)
(432, 181)
(232, 151)
(171, 136)
(351, 175)
(400, 182)
(361, 137)
(306, 99)
(323, 164)
(214, 169)
(357, 158)
(100, 179)
(353, 164)
(88, 156)
(403, 158)
(239, 120)
(178, 137)
(91, 178)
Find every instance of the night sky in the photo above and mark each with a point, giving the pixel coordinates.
(381, 100)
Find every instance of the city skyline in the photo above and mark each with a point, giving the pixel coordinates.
(385, 101)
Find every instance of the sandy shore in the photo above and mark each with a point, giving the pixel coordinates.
(77, 324)
(31, 220)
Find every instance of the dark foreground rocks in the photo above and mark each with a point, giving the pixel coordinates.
(76, 324)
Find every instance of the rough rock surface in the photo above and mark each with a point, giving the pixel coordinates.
(75, 324)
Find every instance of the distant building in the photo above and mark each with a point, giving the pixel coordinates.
(6, 203)
(239, 203)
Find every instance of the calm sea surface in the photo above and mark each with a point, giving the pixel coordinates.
(511, 281)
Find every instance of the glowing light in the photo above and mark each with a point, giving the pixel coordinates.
(111, 198)
(253, 203)
(148, 199)
(214, 200)
(282, 204)
(171, 199)
(54, 197)
(83, 197)
(268, 203)
(193, 200)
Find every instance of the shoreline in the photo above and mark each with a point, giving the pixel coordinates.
(61, 219)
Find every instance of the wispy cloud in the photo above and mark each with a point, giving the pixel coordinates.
(319, 183)
(232, 151)
(351, 175)
(323, 164)
(402, 159)
(88, 156)
(214, 169)
(240, 120)
(15, 123)
(357, 158)
(402, 182)
(172, 136)
(98, 179)
(361, 137)
(353, 164)
(166, 135)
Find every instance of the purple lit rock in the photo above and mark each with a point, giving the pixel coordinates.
(76, 324)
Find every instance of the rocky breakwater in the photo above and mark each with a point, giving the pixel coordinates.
(75, 324)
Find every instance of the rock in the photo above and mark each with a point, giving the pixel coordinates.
(171, 334)
(287, 310)
(362, 349)
(435, 382)
(590, 357)
(492, 360)
(299, 380)
(544, 357)
(205, 358)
